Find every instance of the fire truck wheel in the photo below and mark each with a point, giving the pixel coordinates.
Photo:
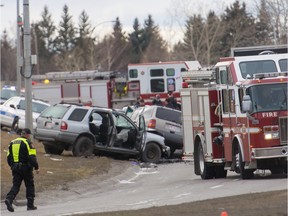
(220, 172)
(206, 171)
(83, 147)
(152, 153)
(244, 173)
(285, 169)
(49, 149)
(276, 171)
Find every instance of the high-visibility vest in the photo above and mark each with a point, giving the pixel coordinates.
(16, 148)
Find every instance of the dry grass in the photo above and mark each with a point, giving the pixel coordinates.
(55, 170)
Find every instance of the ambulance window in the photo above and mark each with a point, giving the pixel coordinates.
(283, 65)
(133, 73)
(156, 72)
(170, 72)
(170, 84)
(157, 85)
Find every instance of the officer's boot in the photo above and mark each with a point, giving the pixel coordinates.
(30, 204)
(8, 202)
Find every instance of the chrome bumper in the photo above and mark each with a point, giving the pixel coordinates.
(272, 152)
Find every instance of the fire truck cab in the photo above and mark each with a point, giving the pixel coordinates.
(238, 120)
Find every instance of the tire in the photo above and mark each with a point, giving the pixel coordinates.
(276, 171)
(152, 153)
(172, 150)
(206, 172)
(49, 149)
(83, 147)
(244, 173)
(15, 124)
(220, 172)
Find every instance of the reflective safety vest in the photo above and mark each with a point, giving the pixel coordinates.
(16, 148)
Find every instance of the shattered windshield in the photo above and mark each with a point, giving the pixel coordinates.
(270, 97)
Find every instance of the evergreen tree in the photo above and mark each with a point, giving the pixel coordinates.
(239, 28)
(65, 41)
(43, 37)
(66, 37)
(213, 31)
(136, 42)
(154, 46)
(84, 45)
(120, 57)
(8, 59)
(264, 29)
(47, 30)
(194, 45)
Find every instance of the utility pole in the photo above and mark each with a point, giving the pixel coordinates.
(19, 55)
(27, 66)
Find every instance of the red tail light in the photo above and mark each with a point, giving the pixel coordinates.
(152, 123)
(63, 126)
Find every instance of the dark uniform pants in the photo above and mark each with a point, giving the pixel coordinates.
(25, 173)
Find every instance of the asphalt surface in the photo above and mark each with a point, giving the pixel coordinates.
(144, 186)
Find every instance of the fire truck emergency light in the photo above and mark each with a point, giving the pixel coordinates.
(267, 75)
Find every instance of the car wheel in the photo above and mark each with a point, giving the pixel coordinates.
(152, 153)
(172, 150)
(206, 172)
(83, 147)
(15, 124)
(49, 149)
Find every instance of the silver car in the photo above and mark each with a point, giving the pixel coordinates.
(164, 121)
(93, 130)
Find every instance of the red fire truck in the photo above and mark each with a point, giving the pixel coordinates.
(108, 90)
(238, 120)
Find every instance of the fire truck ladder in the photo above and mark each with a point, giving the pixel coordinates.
(74, 75)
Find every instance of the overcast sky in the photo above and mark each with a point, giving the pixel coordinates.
(169, 15)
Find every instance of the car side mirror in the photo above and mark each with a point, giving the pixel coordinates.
(247, 104)
(12, 106)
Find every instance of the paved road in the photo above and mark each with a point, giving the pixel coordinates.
(166, 184)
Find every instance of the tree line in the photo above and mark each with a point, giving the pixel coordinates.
(70, 47)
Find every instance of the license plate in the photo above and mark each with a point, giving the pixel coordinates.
(172, 128)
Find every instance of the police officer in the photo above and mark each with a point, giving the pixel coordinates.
(21, 157)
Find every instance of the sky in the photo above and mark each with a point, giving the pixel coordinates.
(169, 15)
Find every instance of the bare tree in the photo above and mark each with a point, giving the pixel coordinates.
(278, 11)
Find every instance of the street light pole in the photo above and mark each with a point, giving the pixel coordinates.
(27, 66)
(19, 56)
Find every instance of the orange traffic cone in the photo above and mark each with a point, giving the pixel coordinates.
(224, 213)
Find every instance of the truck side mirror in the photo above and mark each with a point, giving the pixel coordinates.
(247, 104)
